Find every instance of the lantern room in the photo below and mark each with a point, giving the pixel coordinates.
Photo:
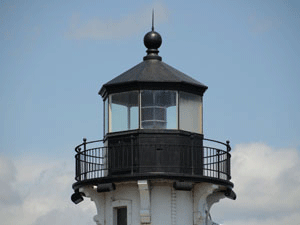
(153, 109)
(153, 96)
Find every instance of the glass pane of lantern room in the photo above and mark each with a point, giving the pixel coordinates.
(190, 112)
(158, 109)
(124, 111)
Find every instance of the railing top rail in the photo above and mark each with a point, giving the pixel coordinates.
(227, 144)
(77, 148)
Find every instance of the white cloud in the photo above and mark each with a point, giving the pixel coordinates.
(98, 29)
(44, 188)
(8, 195)
(290, 219)
(267, 183)
(71, 215)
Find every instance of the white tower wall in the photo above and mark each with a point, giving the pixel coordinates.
(156, 203)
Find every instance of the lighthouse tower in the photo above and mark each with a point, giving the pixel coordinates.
(154, 165)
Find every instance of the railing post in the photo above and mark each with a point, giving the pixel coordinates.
(85, 158)
(192, 154)
(218, 164)
(228, 146)
(228, 159)
(78, 165)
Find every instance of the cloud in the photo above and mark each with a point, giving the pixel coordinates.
(99, 29)
(267, 183)
(264, 24)
(43, 189)
(290, 219)
(8, 195)
(71, 215)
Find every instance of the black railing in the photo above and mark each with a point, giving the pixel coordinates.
(125, 159)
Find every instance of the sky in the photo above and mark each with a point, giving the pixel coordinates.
(56, 55)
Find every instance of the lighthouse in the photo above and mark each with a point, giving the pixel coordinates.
(153, 165)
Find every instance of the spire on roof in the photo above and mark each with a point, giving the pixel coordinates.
(152, 41)
(152, 19)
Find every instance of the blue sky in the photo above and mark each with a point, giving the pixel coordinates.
(56, 55)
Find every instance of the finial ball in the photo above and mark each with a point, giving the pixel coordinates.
(152, 40)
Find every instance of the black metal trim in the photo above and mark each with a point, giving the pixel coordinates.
(107, 187)
(229, 193)
(135, 85)
(157, 131)
(182, 186)
(152, 57)
(166, 176)
(77, 196)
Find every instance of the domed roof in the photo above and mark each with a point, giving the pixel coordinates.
(152, 73)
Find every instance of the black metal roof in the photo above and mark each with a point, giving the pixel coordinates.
(152, 73)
